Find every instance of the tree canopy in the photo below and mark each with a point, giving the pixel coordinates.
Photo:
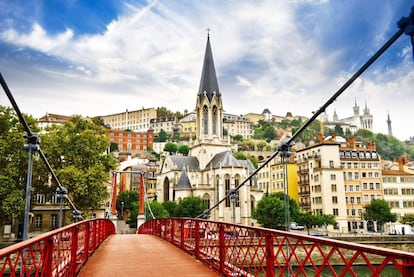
(270, 211)
(13, 164)
(379, 211)
(76, 151)
(183, 149)
(170, 147)
(190, 207)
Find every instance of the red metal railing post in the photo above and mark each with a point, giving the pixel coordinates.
(172, 231)
(182, 234)
(94, 224)
(270, 256)
(197, 239)
(408, 267)
(87, 238)
(48, 257)
(222, 247)
(73, 248)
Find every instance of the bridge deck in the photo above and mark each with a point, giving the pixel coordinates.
(142, 255)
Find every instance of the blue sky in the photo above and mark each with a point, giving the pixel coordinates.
(103, 57)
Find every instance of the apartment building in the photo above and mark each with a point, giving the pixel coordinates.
(187, 125)
(320, 181)
(362, 180)
(271, 178)
(340, 177)
(238, 125)
(168, 124)
(137, 121)
(398, 184)
(129, 141)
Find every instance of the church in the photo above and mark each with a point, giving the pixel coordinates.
(210, 171)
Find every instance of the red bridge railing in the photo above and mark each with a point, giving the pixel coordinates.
(61, 252)
(236, 250)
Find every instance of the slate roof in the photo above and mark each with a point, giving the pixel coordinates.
(208, 81)
(226, 159)
(180, 162)
(184, 182)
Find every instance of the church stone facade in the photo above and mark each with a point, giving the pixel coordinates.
(210, 170)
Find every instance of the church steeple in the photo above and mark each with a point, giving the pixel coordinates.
(208, 83)
(209, 107)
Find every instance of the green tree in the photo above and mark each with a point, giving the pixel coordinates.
(170, 206)
(184, 149)
(155, 210)
(76, 150)
(13, 165)
(170, 147)
(238, 138)
(239, 156)
(261, 145)
(379, 211)
(270, 212)
(308, 220)
(162, 136)
(408, 219)
(190, 207)
(338, 130)
(127, 197)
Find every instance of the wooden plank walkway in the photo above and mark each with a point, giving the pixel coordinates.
(142, 255)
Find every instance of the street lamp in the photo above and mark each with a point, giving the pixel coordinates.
(61, 194)
(32, 145)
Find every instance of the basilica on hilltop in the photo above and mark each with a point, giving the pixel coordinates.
(210, 170)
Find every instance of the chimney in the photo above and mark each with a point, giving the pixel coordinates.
(351, 142)
(320, 138)
(371, 146)
(401, 162)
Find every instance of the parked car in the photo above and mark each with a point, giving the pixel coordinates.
(295, 226)
(319, 234)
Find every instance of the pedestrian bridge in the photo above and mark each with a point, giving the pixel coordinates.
(193, 247)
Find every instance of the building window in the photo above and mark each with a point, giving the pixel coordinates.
(331, 164)
(215, 120)
(40, 199)
(205, 119)
(227, 189)
(38, 221)
(53, 221)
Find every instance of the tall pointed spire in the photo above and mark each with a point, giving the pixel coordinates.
(208, 83)
(389, 125)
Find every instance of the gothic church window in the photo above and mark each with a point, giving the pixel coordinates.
(215, 120)
(227, 189)
(205, 119)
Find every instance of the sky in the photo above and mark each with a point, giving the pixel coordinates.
(104, 57)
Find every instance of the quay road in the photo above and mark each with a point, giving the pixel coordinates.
(142, 255)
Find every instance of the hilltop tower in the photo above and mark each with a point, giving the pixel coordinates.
(389, 125)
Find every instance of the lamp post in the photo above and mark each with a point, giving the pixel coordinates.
(61, 194)
(122, 209)
(31, 145)
(234, 197)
